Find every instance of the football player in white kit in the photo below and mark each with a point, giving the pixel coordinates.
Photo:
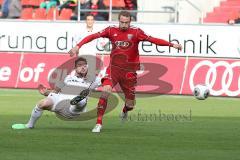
(63, 100)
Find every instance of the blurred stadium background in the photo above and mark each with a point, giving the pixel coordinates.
(153, 11)
(34, 41)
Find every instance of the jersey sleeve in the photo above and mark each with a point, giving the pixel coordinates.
(144, 37)
(104, 33)
(67, 80)
(96, 83)
(98, 79)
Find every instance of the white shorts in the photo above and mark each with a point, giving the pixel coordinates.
(61, 105)
(56, 98)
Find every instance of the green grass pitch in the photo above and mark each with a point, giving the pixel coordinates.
(160, 128)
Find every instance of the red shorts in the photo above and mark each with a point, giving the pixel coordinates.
(126, 79)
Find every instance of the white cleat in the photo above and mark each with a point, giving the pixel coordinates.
(97, 128)
(124, 116)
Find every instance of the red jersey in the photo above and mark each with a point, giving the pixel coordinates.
(124, 45)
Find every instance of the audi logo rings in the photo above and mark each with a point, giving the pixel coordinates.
(211, 77)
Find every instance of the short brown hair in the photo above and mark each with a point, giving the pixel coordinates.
(80, 59)
(90, 15)
(125, 14)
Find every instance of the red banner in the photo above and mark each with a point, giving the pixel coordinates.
(163, 75)
(28, 70)
(9, 69)
(158, 74)
(220, 75)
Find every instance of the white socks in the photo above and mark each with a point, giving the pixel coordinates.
(36, 114)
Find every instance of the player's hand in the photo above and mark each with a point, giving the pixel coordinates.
(177, 46)
(74, 51)
(43, 90)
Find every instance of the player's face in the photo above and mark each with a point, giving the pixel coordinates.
(124, 22)
(81, 68)
(90, 21)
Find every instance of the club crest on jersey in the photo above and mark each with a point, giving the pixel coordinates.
(130, 36)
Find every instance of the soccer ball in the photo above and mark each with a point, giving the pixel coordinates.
(201, 92)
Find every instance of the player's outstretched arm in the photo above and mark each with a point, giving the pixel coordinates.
(162, 42)
(75, 50)
(143, 37)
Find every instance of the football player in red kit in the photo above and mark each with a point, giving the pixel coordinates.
(124, 62)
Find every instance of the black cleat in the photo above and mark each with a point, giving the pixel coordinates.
(80, 97)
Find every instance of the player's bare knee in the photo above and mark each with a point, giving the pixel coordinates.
(44, 104)
(107, 88)
(106, 91)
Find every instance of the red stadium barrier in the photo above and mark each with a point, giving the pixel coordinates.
(164, 75)
(9, 67)
(221, 75)
(161, 74)
(28, 70)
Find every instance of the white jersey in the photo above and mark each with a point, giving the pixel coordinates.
(73, 80)
(70, 88)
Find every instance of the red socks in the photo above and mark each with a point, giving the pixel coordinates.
(102, 105)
